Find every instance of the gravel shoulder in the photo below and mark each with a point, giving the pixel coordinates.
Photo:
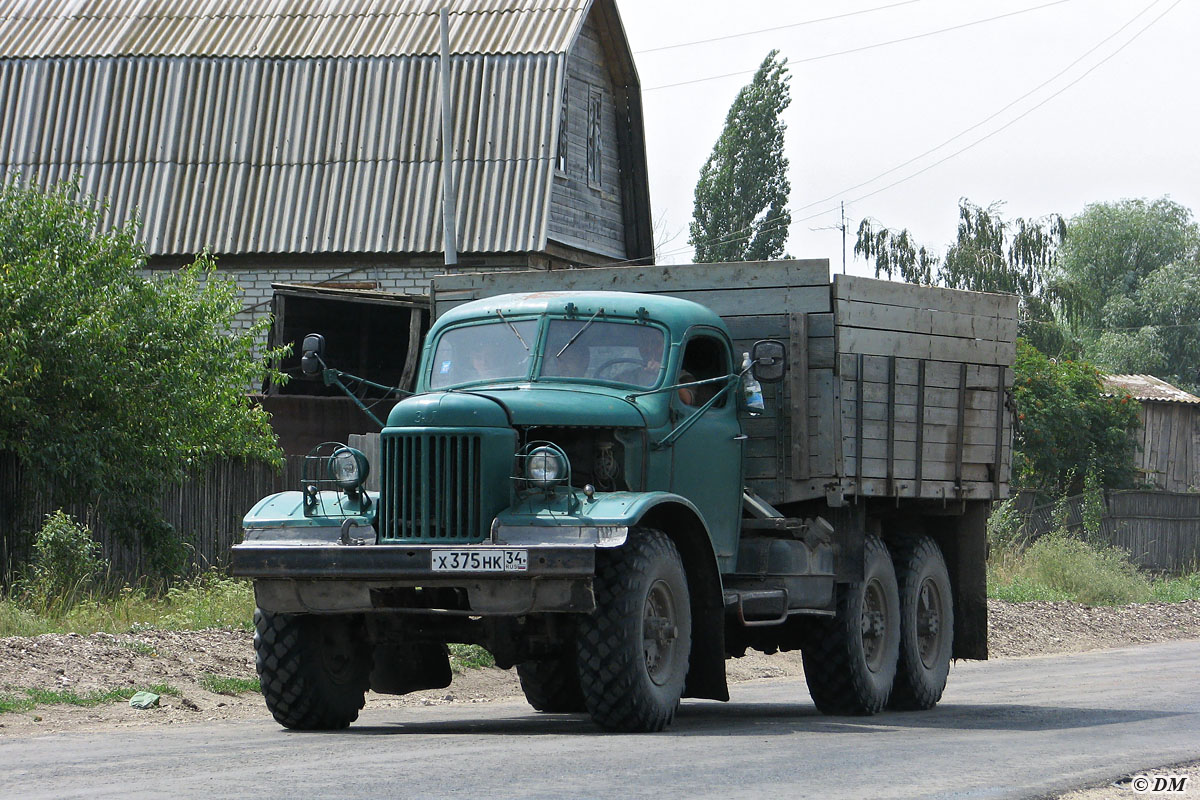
(101, 662)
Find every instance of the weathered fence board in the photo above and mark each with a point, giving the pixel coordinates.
(206, 510)
(1159, 530)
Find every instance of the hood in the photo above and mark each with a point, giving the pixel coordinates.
(522, 404)
(448, 410)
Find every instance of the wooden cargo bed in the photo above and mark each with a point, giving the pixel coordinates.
(892, 390)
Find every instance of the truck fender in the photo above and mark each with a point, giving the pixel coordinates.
(679, 519)
(329, 509)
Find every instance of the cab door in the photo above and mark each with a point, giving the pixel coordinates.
(706, 459)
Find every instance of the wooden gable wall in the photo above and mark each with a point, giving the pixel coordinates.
(585, 214)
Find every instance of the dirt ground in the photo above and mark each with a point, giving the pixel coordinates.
(101, 662)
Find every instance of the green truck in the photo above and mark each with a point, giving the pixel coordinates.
(615, 479)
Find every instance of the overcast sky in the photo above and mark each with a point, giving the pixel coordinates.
(1128, 128)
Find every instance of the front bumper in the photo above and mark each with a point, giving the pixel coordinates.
(332, 578)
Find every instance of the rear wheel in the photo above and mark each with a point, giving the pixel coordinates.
(314, 670)
(850, 661)
(926, 624)
(552, 684)
(633, 650)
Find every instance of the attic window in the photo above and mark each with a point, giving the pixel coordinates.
(595, 139)
(560, 162)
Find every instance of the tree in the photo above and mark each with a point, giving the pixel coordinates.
(112, 384)
(1067, 426)
(741, 197)
(1135, 266)
(989, 254)
(1112, 247)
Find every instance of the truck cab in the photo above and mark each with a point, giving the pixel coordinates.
(547, 430)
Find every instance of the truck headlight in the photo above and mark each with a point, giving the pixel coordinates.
(545, 466)
(349, 468)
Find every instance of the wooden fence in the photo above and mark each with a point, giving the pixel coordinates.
(1160, 530)
(206, 510)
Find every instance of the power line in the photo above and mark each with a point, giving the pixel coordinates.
(739, 235)
(743, 233)
(774, 28)
(1011, 122)
(914, 37)
(992, 116)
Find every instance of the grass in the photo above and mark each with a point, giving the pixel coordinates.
(28, 699)
(223, 684)
(208, 600)
(469, 656)
(1059, 566)
(140, 648)
(1176, 590)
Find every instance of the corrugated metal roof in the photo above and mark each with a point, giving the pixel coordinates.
(302, 156)
(284, 28)
(1148, 387)
(190, 114)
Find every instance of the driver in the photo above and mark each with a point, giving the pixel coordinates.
(650, 351)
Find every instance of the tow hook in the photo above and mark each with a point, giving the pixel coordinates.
(347, 524)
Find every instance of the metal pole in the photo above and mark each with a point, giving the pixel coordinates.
(843, 238)
(449, 202)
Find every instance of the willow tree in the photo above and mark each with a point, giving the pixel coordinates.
(989, 254)
(741, 197)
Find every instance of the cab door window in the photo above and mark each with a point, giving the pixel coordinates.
(704, 357)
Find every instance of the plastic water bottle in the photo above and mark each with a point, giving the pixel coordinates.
(751, 388)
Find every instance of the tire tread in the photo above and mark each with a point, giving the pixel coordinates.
(286, 666)
(912, 691)
(610, 671)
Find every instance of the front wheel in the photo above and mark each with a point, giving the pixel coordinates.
(850, 661)
(314, 670)
(633, 650)
(926, 624)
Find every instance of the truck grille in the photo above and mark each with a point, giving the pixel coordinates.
(432, 487)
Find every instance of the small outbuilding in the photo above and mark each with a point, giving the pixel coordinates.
(1169, 438)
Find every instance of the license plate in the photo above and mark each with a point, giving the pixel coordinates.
(480, 560)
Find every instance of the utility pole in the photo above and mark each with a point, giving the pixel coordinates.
(843, 237)
(841, 226)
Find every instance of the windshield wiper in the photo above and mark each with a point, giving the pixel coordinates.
(578, 333)
(514, 330)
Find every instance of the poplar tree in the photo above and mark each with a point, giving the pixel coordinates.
(741, 197)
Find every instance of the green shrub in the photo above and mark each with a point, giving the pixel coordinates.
(1176, 590)
(1094, 505)
(469, 656)
(1059, 566)
(1004, 525)
(209, 600)
(66, 564)
(1090, 574)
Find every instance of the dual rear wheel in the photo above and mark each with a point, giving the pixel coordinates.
(890, 641)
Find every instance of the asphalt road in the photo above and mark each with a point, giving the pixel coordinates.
(1005, 729)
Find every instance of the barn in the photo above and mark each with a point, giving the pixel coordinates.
(300, 141)
(1168, 441)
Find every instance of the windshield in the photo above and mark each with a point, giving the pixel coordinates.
(607, 351)
(499, 350)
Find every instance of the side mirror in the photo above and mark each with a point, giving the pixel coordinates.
(768, 361)
(312, 360)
